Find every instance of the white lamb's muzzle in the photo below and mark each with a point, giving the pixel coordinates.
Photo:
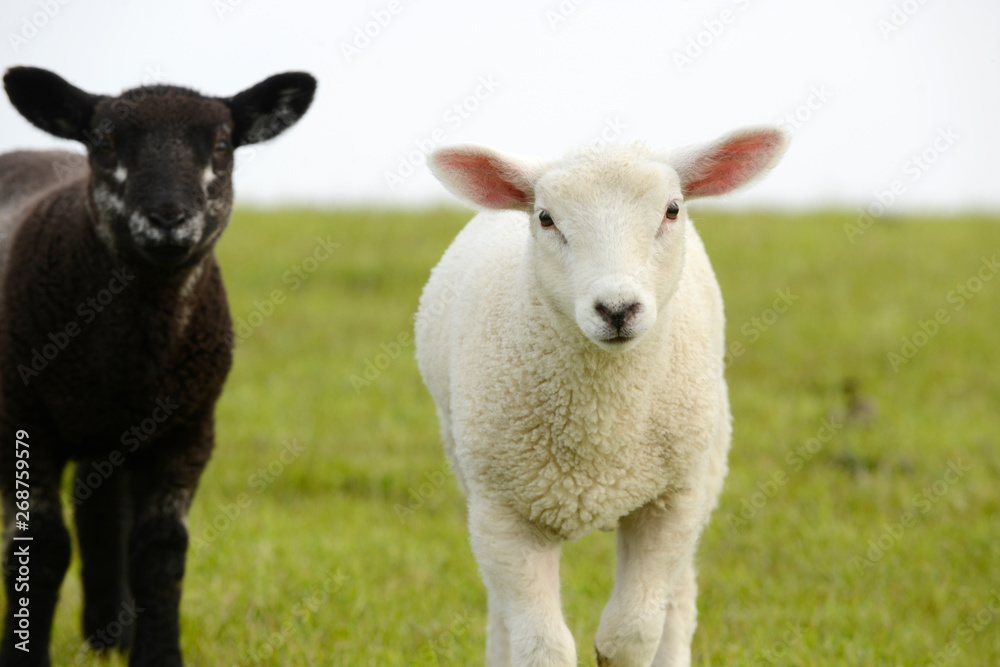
(615, 313)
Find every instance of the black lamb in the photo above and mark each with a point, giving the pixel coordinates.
(115, 342)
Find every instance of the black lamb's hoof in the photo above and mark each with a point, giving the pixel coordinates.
(105, 635)
(102, 643)
(163, 656)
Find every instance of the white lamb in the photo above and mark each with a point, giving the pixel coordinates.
(574, 346)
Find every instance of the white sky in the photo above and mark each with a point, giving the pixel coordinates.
(881, 94)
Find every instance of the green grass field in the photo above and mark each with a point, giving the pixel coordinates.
(857, 527)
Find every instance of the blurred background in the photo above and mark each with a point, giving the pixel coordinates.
(875, 92)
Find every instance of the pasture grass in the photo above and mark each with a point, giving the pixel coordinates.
(328, 530)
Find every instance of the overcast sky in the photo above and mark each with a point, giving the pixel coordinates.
(879, 93)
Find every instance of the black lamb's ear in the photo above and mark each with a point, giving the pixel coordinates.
(270, 107)
(50, 102)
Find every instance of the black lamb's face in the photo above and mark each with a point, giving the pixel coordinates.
(161, 157)
(161, 174)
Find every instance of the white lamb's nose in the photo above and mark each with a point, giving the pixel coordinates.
(617, 296)
(618, 316)
(616, 311)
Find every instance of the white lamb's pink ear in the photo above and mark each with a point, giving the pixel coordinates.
(729, 162)
(486, 177)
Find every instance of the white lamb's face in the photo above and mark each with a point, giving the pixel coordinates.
(608, 224)
(609, 244)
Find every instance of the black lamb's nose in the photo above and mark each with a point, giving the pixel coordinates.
(166, 217)
(620, 317)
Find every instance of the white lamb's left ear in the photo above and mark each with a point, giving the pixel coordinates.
(729, 162)
(486, 177)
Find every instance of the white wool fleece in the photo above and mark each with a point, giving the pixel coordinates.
(573, 438)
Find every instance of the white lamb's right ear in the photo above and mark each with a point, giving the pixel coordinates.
(487, 177)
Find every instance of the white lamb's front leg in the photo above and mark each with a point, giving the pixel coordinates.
(655, 547)
(520, 567)
(682, 616)
(497, 636)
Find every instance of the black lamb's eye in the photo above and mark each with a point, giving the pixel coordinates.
(545, 218)
(104, 146)
(673, 208)
(223, 146)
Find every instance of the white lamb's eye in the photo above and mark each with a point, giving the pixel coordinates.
(545, 218)
(673, 208)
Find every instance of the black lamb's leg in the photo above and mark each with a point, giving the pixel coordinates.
(163, 484)
(103, 503)
(33, 569)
